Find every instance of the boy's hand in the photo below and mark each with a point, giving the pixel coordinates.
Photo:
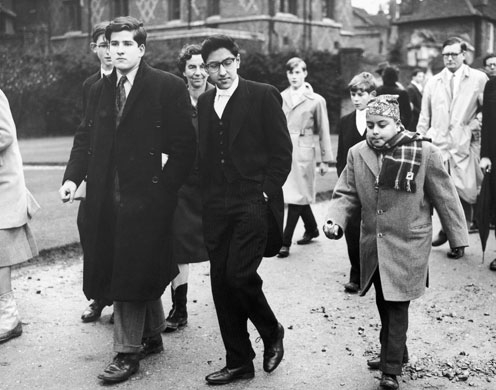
(485, 164)
(67, 191)
(332, 231)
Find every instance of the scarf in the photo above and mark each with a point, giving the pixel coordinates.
(402, 158)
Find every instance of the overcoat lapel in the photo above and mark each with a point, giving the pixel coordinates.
(370, 158)
(240, 109)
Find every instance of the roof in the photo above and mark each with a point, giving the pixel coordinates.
(444, 9)
(5, 10)
(379, 20)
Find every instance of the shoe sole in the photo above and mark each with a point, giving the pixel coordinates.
(117, 380)
(12, 334)
(249, 375)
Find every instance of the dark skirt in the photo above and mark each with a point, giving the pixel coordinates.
(188, 243)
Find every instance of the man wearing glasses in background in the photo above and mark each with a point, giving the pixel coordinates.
(490, 64)
(450, 104)
(245, 157)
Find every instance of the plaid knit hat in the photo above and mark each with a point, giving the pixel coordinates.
(385, 105)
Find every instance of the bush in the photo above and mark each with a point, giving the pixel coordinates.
(45, 91)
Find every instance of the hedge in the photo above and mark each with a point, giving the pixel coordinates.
(45, 92)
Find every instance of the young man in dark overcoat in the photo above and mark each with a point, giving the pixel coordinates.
(245, 157)
(135, 146)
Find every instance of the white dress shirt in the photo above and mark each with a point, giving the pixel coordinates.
(222, 97)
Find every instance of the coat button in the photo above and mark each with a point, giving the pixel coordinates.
(155, 179)
(222, 161)
(221, 123)
(380, 235)
(152, 152)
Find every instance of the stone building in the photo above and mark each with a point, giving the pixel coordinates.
(422, 26)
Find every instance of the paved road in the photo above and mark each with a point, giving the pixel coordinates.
(329, 334)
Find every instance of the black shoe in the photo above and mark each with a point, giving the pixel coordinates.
(93, 311)
(375, 363)
(151, 346)
(308, 236)
(473, 228)
(351, 287)
(456, 253)
(273, 351)
(492, 265)
(389, 382)
(13, 333)
(440, 239)
(121, 369)
(283, 252)
(228, 375)
(178, 316)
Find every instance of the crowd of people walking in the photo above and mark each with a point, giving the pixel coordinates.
(171, 172)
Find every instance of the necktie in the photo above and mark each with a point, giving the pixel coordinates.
(120, 99)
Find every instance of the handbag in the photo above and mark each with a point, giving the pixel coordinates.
(81, 191)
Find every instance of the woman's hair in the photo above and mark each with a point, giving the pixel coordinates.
(185, 55)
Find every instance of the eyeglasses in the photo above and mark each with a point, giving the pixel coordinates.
(214, 67)
(491, 65)
(452, 55)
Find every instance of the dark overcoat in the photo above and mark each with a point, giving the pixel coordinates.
(136, 260)
(259, 145)
(488, 132)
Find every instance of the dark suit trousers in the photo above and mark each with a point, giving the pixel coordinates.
(352, 235)
(294, 213)
(394, 325)
(235, 223)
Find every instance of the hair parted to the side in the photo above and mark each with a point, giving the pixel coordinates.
(416, 71)
(188, 51)
(218, 41)
(488, 56)
(99, 29)
(127, 23)
(294, 62)
(362, 82)
(454, 40)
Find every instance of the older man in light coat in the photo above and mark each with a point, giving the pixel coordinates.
(450, 105)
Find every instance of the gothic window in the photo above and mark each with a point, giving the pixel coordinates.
(72, 14)
(174, 9)
(328, 9)
(119, 8)
(288, 6)
(213, 8)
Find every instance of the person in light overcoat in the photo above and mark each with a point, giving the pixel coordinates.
(396, 178)
(308, 125)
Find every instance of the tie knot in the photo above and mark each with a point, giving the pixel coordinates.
(122, 80)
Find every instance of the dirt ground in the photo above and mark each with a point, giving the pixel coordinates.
(329, 334)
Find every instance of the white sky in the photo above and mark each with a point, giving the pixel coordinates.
(371, 6)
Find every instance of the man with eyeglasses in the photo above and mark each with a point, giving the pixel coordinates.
(245, 157)
(450, 104)
(100, 47)
(490, 64)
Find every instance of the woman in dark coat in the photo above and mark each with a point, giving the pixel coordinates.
(389, 87)
(188, 245)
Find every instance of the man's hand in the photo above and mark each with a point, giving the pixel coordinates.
(323, 168)
(332, 231)
(485, 164)
(67, 191)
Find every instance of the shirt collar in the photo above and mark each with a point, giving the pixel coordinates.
(229, 91)
(105, 72)
(130, 76)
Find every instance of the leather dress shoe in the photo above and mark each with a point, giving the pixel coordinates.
(351, 287)
(151, 345)
(283, 252)
(13, 333)
(492, 265)
(273, 351)
(121, 369)
(440, 239)
(456, 253)
(308, 236)
(228, 375)
(389, 382)
(93, 311)
(375, 363)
